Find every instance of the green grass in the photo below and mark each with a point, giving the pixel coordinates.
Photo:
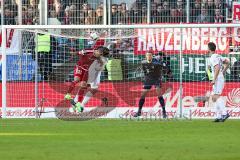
(52, 139)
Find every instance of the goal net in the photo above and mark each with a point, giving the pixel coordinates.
(40, 64)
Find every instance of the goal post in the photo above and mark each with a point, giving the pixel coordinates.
(121, 85)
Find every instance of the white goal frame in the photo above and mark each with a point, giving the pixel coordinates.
(148, 26)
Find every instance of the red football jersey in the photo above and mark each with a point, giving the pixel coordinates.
(86, 60)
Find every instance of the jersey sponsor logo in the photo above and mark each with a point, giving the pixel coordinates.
(78, 70)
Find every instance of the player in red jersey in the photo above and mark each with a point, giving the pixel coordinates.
(87, 72)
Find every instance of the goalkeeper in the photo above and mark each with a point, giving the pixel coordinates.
(153, 71)
(87, 72)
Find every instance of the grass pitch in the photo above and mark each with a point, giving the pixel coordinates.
(52, 139)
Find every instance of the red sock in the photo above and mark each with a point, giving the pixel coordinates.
(80, 95)
(72, 86)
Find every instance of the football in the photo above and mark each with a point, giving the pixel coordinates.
(94, 36)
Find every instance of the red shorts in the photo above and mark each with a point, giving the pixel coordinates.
(80, 73)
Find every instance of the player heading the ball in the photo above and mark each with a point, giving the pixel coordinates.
(87, 72)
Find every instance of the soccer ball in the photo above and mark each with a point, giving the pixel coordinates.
(94, 36)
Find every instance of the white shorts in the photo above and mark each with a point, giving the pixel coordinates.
(94, 81)
(94, 85)
(218, 86)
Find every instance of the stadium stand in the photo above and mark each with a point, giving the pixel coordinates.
(122, 12)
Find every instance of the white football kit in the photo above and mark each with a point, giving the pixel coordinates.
(220, 107)
(94, 73)
(214, 60)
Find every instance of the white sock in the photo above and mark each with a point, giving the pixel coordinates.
(221, 105)
(217, 110)
(86, 98)
(76, 98)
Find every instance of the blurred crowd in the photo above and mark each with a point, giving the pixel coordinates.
(82, 12)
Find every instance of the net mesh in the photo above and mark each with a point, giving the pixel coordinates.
(41, 76)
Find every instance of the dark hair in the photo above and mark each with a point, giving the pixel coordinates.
(212, 46)
(103, 50)
(161, 54)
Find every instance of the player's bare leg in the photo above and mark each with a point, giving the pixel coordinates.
(141, 102)
(162, 102)
(88, 96)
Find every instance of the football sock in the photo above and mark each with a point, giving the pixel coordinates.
(80, 95)
(71, 87)
(140, 105)
(221, 105)
(217, 110)
(86, 98)
(161, 101)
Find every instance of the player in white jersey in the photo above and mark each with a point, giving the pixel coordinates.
(94, 74)
(218, 65)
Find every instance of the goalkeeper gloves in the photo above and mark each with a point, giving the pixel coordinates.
(68, 96)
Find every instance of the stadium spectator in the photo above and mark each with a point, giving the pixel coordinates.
(180, 13)
(218, 18)
(34, 6)
(211, 10)
(124, 14)
(124, 7)
(154, 13)
(32, 17)
(173, 15)
(85, 8)
(67, 15)
(99, 15)
(8, 16)
(114, 14)
(180, 4)
(203, 17)
(196, 10)
(165, 14)
(135, 14)
(59, 11)
(204, 4)
(160, 11)
(91, 18)
(219, 4)
(73, 19)
(24, 15)
(143, 18)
